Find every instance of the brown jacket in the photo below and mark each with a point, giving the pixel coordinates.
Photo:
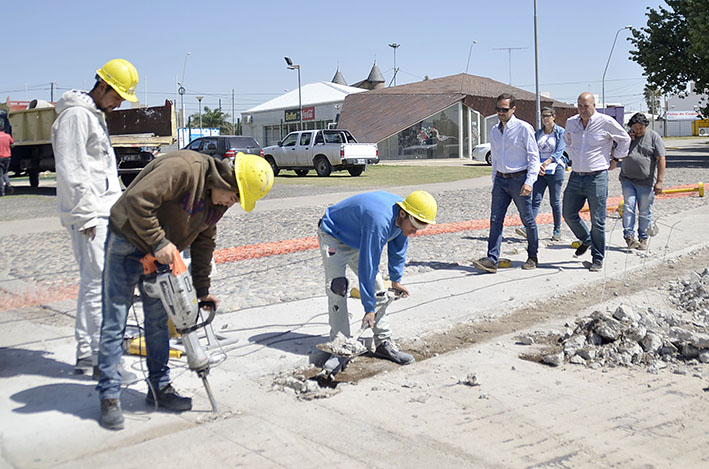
(170, 201)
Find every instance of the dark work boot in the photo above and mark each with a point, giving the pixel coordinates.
(168, 399)
(111, 414)
(389, 350)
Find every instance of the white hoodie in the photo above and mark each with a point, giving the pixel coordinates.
(87, 178)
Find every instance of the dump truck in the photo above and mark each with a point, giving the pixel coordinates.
(136, 136)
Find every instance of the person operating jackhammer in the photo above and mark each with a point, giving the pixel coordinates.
(353, 233)
(173, 204)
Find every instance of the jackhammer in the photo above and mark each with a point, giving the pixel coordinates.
(172, 284)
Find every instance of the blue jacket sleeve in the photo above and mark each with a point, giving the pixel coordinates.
(558, 155)
(397, 257)
(370, 254)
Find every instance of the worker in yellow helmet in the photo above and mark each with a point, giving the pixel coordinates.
(173, 204)
(353, 233)
(87, 187)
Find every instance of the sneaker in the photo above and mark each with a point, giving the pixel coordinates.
(522, 232)
(596, 266)
(389, 350)
(168, 399)
(84, 366)
(530, 264)
(111, 414)
(556, 235)
(484, 263)
(641, 244)
(630, 241)
(581, 250)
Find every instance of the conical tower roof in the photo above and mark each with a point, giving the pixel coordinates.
(338, 78)
(375, 75)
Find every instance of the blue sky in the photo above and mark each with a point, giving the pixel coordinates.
(240, 45)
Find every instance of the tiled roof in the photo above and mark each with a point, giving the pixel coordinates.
(377, 114)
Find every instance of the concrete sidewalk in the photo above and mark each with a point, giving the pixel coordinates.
(49, 416)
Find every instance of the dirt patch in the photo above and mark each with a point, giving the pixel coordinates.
(558, 308)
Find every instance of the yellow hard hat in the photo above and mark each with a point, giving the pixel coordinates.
(420, 205)
(254, 176)
(122, 76)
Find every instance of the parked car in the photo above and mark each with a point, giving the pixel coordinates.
(322, 150)
(482, 153)
(225, 147)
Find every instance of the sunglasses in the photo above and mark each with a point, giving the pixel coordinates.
(503, 109)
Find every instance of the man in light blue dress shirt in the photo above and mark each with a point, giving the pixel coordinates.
(515, 167)
(590, 137)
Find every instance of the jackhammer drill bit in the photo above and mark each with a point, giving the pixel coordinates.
(209, 393)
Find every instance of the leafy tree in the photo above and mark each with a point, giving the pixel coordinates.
(213, 118)
(674, 47)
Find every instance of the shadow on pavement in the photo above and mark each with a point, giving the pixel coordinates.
(18, 361)
(291, 342)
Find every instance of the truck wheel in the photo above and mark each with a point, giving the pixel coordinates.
(356, 171)
(323, 167)
(488, 159)
(274, 166)
(302, 172)
(34, 178)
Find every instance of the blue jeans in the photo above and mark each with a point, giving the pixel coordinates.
(505, 190)
(554, 182)
(121, 273)
(643, 196)
(594, 188)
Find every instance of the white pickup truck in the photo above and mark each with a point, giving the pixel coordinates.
(322, 150)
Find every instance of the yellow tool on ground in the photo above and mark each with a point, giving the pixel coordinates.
(504, 263)
(699, 189)
(136, 346)
(354, 293)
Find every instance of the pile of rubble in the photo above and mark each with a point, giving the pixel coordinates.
(652, 339)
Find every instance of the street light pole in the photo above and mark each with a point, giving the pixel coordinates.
(292, 66)
(603, 81)
(199, 98)
(536, 68)
(395, 46)
(181, 89)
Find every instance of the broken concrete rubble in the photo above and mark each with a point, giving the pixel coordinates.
(650, 338)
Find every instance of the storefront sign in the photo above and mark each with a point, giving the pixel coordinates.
(291, 115)
(682, 115)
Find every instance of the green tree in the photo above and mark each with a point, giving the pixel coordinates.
(213, 118)
(652, 98)
(673, 48)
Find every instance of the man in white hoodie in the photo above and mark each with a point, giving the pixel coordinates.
(87, 187)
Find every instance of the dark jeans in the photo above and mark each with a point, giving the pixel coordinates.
(554, 182)
(504, 191)
(579, 189)
(4, 177)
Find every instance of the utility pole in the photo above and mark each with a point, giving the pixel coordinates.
(536, 68)
(394, 46)
(509, 53)
(233, 124)
(200, 98)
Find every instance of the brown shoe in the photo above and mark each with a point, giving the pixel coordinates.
(641, 245)
(530, 264)
(484, 263)
(630, 241)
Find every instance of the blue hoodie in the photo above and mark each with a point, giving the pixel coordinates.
(368, 222)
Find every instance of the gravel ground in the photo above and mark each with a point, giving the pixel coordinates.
(47, 259)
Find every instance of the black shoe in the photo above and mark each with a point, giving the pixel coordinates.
(530, 264)
(10, 190)
(168, 399)
(581, 250)
(390, 351)
(484, 263)
(595, 266)
(111, 414)
(84, 366)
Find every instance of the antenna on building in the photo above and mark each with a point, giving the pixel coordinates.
(470, 52)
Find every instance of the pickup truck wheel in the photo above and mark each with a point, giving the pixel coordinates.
(323, 167)
(302, 172)
(356, 171)
(34, 179)
(488, 159)
(274, 166)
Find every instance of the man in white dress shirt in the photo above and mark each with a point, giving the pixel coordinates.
(590, 137)
(515, 167)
